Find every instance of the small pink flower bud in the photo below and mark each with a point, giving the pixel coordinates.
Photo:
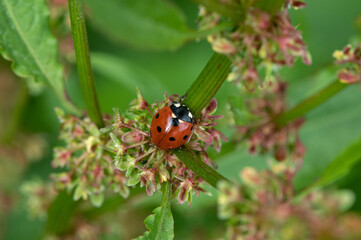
(203, 135)
(211, 108)
(132, 137)
(224, 46)
(347, 77)
(184, 189)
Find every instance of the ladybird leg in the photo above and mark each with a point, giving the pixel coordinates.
(182, 98)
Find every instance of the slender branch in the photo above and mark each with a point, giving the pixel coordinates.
(207, 83)
(310, 103)
(194, 163)
(85, 72)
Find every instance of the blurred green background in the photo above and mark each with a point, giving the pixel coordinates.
(326, 25)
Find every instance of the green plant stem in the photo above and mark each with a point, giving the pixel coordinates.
(85, 72)
(194, 163)
(310, 103)
(233, 10)
(207, 83)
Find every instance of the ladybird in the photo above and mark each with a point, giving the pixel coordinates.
(171, 126)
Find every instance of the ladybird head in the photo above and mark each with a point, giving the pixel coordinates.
(182, 112)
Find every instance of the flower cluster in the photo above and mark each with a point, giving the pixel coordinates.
(143, 162)
(266, 207)
(263, 134)
(350, 59)
(89, 167)
(257, 45)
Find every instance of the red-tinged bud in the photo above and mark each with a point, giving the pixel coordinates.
(250, 176)
(203, 135)
(347, 77)
(205, 158)
(62, 158)
(280, 154)
(98, 173)
(183, 194)
(224, 46)
(298, 4)
(195, 145)
(181, 171)
(347, 50)
(211, 108)
(300, 149)
(142, 104)
(78, 131)
(132, 137)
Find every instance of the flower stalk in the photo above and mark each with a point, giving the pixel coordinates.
(207, 83)
(310, 103)
(85, 72)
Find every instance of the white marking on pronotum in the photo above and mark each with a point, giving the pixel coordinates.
(173, 116)
(181, 121)
(190, 115)
(177, 105)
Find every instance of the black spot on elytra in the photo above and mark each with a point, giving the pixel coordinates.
(185, 137)
(172, 139)
(159, 129)
(174, 122)
(157, 116)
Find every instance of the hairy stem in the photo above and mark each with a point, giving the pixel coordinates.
(85, 72)
(194, 163)
(207, 83)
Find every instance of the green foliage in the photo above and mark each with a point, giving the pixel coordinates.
(161, 223)
(25, 39)
(60, 213)
(126, 73)
(147, 24)
(341, 165)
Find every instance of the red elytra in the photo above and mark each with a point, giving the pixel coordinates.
(171, 126)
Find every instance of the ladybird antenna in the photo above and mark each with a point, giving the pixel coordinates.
(182, 98)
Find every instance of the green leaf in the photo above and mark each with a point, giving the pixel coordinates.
(341, 165)
(161, 223)
(146, 24)
(25, 39)
(60, 213)
(126, 73)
